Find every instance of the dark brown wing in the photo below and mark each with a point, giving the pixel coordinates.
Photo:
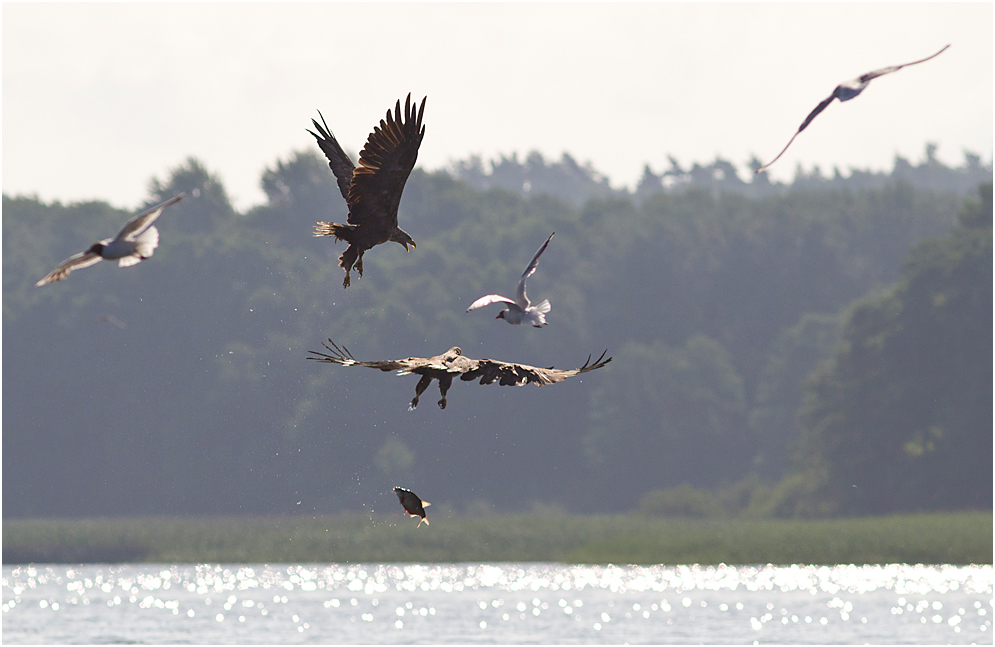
(342, 167)
(384, 165)
(448, 362)
(341, 355)
(509, 374)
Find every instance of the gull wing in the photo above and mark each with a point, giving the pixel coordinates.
(523, 299)
(812, 115)
(139, 223)
(510, 374)
(866, 78)
(77, 262)
(342, 167)
(488, 300)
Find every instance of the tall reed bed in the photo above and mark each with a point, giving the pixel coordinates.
(952, 538)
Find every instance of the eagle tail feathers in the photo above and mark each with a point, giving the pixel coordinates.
(340, 231)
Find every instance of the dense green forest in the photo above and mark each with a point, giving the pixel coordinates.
(810, 349)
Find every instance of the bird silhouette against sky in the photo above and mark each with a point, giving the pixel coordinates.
(372, 189)
(521, 310)
(133, 244)
(844, 92)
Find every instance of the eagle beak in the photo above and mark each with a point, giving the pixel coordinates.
(413, 246)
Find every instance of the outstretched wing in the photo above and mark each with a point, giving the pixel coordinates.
(523, 299)
(384, 165)
(509, 374)
(139, 223)
(77, 262)
(448, 362)
(865, 78)
(812, 115)
(341, 355)
(342, 167)
(488, 300)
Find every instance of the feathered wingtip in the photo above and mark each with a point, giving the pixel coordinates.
(597, 364)
(410, 115)
(339, 354)
(326, 132)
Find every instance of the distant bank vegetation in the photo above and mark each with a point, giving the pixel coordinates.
(961, 538)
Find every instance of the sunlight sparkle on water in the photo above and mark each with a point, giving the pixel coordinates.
(498, 602)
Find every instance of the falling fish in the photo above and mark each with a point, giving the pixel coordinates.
(412, 504)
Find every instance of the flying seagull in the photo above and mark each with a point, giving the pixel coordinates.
(453, 363)
(846, 91)
(372, 189)
(133, 244)
(521, 310)
(412, 504)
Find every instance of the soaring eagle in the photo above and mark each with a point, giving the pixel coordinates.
(453, 363)
(521, 310)
(133, 244)
(372, 189)
(844, 92)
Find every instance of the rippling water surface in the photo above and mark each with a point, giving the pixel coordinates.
(495, 603)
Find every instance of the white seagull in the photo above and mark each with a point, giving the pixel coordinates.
(133, 244)
(521, 310)
(846, 91)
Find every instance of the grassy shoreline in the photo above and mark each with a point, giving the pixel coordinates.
(945, 538)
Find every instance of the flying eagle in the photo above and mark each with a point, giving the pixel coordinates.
(372, 189)
(521, 310)
(412, 504)
(844, 92)
(133, 244)
(453, 363)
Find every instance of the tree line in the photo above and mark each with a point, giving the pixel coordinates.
(179, 386)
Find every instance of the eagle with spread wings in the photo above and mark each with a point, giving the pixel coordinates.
(453, 363)
(373, 189)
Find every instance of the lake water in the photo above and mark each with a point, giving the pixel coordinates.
(495, 603)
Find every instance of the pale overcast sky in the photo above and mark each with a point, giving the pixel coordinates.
(98, 98)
